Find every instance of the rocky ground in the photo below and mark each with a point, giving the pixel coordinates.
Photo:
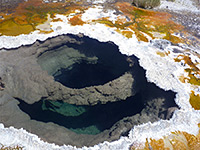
(9, 5)
(21, 71)
(190, 20)
(22, 78)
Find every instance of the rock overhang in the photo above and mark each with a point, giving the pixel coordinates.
(38, 82)
(163, 66)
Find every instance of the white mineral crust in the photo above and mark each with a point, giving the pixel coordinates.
(162, 71)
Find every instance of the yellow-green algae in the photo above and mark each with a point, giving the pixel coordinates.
(192, 79)
(29, 14)
(141, 22)
(195, 100)
(192, 71)
(2, 147)
(177, 140)
(161, 54)
(144, 21)
(11, 28)
(127, 34)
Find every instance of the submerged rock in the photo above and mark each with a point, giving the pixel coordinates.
(20, 70)
(29, 76)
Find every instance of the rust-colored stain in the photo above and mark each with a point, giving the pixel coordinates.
(193, 71)
(175, 141)
(136, 21)
(161, 54)
(143, 22)
(11, 147)
(28, 15)
(76, 20)
(157, 144)
(127, 34)
(192, 78)
(195, 100)
(57, 20)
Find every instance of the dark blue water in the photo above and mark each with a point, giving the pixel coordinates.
(75, 63)
(111, 64)
(93, 120)
(85, 75)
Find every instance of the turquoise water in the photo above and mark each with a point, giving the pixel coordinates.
(63, 108)
(87, 64)
(83, 119)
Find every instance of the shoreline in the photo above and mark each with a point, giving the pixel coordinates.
(164, 74)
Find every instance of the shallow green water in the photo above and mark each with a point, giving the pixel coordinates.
(83, 119)
(87, 64)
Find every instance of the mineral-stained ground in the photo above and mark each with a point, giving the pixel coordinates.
(122, 71)
(112, 105)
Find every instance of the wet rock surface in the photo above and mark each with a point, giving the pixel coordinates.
(23, 79)
(154, 109)
(20, 70)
